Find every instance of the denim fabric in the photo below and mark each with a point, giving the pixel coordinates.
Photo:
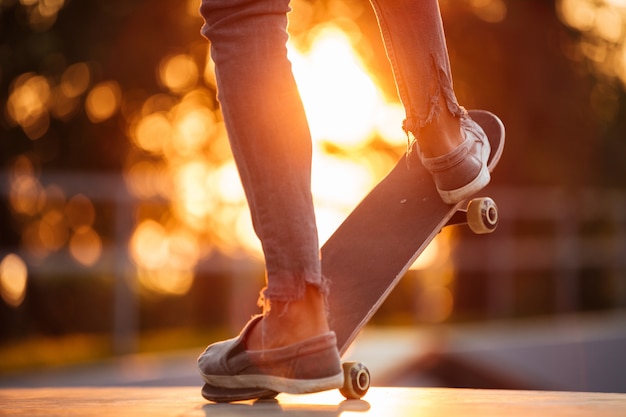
(414, 39)
(267, 126)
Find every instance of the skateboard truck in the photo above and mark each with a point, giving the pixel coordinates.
(481, 215)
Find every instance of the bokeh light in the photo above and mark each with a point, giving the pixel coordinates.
(85, 245)
(25, 194)
(179, 73)
(103, 101)
(35, 98)
(52, 221)
(148, 246)
(42, 14)
(53, 230)
(152, 132)
(147, 179)
(491, 11)
(80, 212)
(165, 258)
(601, 24)
(28, 104)
(75, 79)
(13, 280)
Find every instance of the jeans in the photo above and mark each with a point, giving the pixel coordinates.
(267, 127)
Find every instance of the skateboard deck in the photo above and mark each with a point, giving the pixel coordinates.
(383, 236)
(374, 247)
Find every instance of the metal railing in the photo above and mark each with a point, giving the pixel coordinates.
(552, 231)
(541, 229)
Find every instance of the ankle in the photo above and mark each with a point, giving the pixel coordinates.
(440, 136)
(285, 323)
(310, 310)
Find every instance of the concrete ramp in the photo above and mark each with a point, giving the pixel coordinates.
(382, 402)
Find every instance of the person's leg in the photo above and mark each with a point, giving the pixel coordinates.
(416, 46)
(270, 139)
(271, 144)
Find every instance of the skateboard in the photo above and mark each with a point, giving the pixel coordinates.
(378, 242)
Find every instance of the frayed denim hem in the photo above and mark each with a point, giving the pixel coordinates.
(292, 288)
(415, 122)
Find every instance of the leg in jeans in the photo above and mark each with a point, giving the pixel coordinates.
(271, 144)
(269, 136)
(450, 145)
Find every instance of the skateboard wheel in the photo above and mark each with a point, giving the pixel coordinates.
(482, 215)
(356, 380)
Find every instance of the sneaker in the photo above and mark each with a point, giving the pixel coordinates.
(463, 172)
(309, 366)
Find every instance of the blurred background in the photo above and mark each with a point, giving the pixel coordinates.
(125, 240)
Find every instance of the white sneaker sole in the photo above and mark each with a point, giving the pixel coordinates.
(275, 383)
(463, 193)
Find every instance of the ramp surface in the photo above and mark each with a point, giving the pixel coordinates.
(383, 402)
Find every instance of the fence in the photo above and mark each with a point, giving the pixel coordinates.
(567, 236)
